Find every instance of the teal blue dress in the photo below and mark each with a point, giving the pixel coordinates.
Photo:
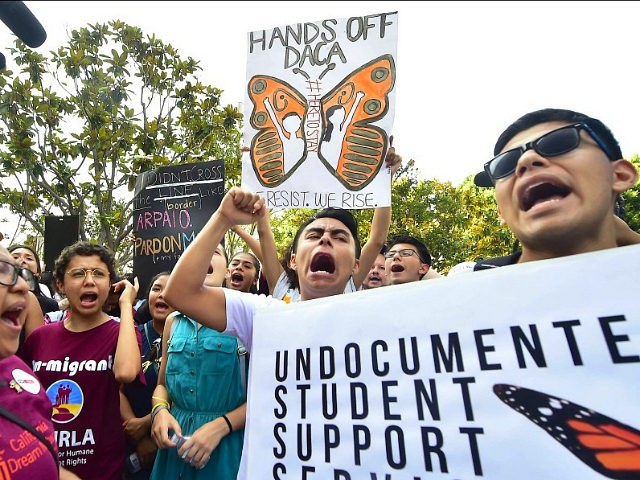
(204, 379)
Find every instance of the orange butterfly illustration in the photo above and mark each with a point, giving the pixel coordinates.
(350, 147)
(609, 447)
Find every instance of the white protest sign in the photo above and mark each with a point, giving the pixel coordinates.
(529, 371)
(319, 109)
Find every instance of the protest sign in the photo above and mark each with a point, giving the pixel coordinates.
(171, 205)
(320, 103)
(527, 371)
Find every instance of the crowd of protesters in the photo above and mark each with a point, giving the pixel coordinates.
(141, 385)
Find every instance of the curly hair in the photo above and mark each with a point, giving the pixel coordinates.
(83, 249)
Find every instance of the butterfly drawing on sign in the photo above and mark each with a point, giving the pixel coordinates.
(349, 145)
(608, 446)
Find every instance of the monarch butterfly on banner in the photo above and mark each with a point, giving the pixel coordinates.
(608, 446)
(349, 146)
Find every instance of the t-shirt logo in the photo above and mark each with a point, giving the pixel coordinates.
(67, 399)
(25, 381)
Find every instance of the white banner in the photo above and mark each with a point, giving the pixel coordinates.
(319, 109)
(528, 372)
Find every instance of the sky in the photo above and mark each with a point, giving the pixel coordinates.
(465, 70)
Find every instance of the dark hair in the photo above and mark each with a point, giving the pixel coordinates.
(292, 275)
(256, 261)
(153, 279)
(83, 249)
(256, 264)
(31, 249)
(113, 280)
(339, 214)
(422, 249)
(552, 115)
(559, 115)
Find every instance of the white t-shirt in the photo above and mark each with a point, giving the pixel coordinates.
(241, 309)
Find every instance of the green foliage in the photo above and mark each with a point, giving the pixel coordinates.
(456, 224)
(632, 200)
(77, 129)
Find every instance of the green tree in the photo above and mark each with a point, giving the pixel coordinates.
(632, 200)
(456, 223)
(77, 129)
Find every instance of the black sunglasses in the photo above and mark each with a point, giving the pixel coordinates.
(551, 144)
(10, 272)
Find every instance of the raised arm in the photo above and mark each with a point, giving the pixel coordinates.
(127, 360)
(249, 239)
(271, 266)
(379, 225)
(185, 290)
(377, 238)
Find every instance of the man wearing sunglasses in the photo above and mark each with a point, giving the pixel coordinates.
(557, 175)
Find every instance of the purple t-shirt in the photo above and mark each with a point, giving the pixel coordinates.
(22, 455)
(76, 370)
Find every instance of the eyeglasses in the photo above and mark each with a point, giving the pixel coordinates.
(405, 252)
(10, 272)
(551, 144)
(81, 273)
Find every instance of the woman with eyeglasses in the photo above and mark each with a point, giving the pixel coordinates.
(82, 360)
(200, 397)
(25, 409)
(136, 405)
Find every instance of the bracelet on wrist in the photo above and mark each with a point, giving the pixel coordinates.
(228, 422)
(156, 410)
(163, 403)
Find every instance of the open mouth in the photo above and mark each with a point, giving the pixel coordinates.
(161, 306)
(323, 262)
(395, 268)
(237, 277)
(12, 316)
(88, 299)
(542, 192)
(210, 270)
